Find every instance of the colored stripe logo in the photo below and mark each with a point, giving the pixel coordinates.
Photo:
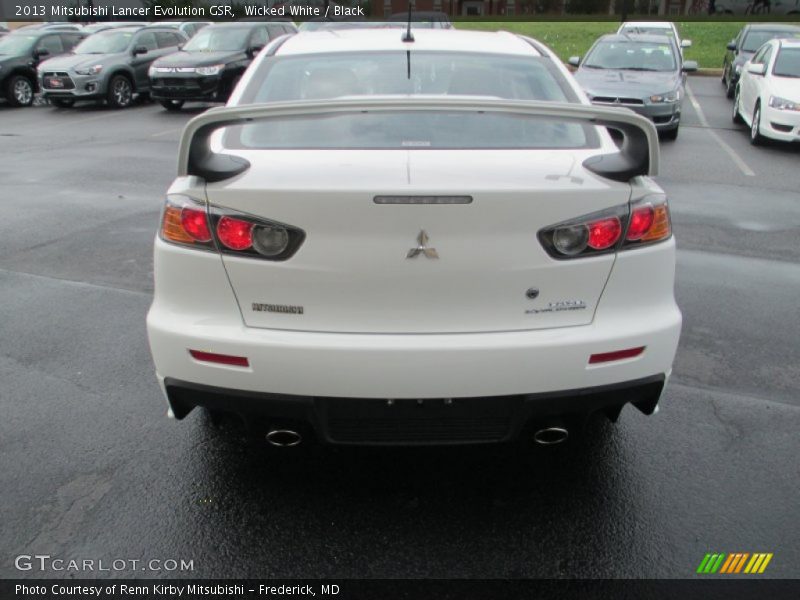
(733, 563)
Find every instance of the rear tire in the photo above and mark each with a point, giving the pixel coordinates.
(19, 91)
(172, 105)
(63, 102)
(120, 92)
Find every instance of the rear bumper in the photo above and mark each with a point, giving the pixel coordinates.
(378, 421)
(194, 308)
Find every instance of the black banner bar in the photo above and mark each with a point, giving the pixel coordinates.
(396, 589)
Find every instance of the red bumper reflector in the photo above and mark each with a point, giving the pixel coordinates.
(222, 359)
(618, 355)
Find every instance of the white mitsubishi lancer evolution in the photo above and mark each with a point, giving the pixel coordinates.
(425, 239)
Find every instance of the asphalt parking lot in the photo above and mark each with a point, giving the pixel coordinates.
(91, 468)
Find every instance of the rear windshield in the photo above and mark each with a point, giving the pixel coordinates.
(318, 76)
(412, 130)
(321, 76)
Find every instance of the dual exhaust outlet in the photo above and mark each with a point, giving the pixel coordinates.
(547, 436)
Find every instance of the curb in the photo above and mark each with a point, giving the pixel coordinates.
(707, 73)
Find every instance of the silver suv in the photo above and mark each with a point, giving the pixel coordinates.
(110, 65)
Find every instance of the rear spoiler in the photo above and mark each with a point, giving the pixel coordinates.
(638, 153)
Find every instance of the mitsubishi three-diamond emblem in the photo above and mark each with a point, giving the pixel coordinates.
(422, 247)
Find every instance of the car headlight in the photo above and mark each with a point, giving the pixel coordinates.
(783, 103)
(672, 96)
(151, 71)
(738, 69)
(211, 70)
(93, 70)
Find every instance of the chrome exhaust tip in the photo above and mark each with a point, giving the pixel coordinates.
(550, 436)
(284, 438)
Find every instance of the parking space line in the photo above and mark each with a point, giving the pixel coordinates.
(704, 122)
(167, 132)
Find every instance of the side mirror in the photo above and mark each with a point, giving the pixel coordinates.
(690, 66)
(575, 61)
(140, 50)
(756, 68)
(731, 46)
(686, 43)
(40, 52)
(253, 50)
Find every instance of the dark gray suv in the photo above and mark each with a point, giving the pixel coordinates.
(110, 65)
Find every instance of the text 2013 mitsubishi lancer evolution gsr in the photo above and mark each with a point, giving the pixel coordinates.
(432, 239)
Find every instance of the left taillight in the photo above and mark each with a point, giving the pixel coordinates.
(644, 222)
(188, 222)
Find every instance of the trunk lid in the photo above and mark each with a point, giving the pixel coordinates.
(353, 273)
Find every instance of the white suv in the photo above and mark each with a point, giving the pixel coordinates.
(394, 240)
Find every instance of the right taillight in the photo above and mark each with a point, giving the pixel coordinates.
(187, 222)
(643, 222)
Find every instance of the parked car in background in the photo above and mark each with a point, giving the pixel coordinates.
(655, 28)
(111, 66)
(742, 48)
(207, 67)
(351, 172)
(106, 25)
(188, 28)
(767, 96)
(21, 53)
(645, 73)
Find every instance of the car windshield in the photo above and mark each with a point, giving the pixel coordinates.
(755, 39)
(17, 43)
(787, 63)
(105, 42)
(632, 55)
(218, 39)
(322, 76)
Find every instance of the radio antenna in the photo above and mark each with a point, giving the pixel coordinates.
(408, 36)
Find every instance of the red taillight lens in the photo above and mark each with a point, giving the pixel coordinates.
(641, 220)
(604, 233)
(645, 221)
(235, 233)
(195, 224)
(222, 359)
(616, 355)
